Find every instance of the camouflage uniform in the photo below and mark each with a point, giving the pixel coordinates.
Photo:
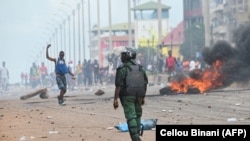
(132, 104)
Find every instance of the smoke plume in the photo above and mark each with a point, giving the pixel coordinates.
(235, 59)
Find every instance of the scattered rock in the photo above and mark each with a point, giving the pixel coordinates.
(44, 95)
(99, 92)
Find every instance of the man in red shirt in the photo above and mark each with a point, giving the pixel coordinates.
(170, 65)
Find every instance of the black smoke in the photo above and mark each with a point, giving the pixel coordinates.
(235, 58)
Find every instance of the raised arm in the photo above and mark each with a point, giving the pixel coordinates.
(47, 54)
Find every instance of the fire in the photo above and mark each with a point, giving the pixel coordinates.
(208, 79)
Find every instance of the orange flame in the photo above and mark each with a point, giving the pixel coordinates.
(210, 78)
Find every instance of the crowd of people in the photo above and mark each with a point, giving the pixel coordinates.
(37, 76)
(89, 73)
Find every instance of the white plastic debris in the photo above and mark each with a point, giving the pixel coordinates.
(49, 117)
(170, 111)
(162, 85)
(110, 128)
(237, 104)
(231, 119)
(53, 132)
(22, 138)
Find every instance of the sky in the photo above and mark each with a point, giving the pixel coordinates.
(26, 27)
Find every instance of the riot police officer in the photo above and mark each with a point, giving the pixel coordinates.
(131, 85)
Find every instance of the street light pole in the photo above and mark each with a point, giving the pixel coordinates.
(61, 36)
(56, 41)
(74, 43)
(83, 30)
(90, 44)
(79, 33)
(110, 26)
(69, 38)
(64, 34)
(129, 25)
(99, 32)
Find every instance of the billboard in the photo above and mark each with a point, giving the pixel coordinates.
(146, 32)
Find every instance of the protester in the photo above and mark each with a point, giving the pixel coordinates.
(43, 73)
(70, 82)
(84, 72)
(197, 63)
(160, 62)
(131, 99)
(170, 65)
(96, 69)
(111, 73)
(178, 66)
(185, 65)
(61, 70)
(89, 73)
(192, 64)
(34, 75)
(79, 73)
(4, 76)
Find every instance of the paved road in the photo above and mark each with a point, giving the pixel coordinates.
(91, 118)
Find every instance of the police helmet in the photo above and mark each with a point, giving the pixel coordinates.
(129, 53)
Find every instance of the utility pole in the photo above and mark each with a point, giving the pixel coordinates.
(159, 13)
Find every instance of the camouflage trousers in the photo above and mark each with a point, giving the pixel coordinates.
(132, 107)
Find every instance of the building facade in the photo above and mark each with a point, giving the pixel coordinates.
(226, 17)
(147, 24)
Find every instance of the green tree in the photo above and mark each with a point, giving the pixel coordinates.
(194, 40)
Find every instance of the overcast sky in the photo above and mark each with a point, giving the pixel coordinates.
(26, 25)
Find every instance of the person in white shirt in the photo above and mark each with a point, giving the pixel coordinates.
(191, 65)
(4, 76)
(197, 64)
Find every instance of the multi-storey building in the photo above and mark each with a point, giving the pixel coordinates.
(192, 12)
(226, 16)
(144, 31)
(147, 24)
(220, 17)
(119, 38)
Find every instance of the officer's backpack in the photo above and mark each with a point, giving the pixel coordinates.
(135, 82)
